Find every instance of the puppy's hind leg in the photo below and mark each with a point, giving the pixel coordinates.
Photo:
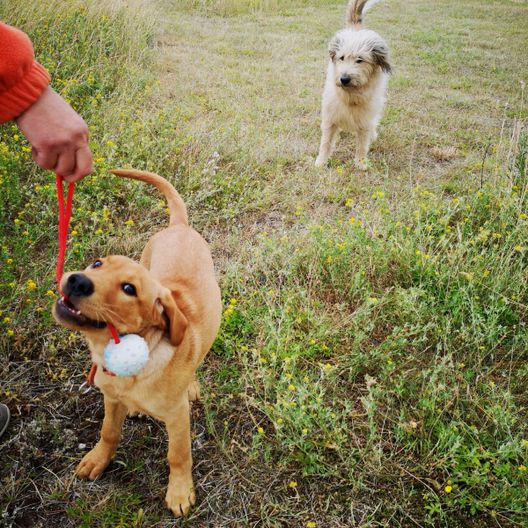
(330, 135)
(96, 460)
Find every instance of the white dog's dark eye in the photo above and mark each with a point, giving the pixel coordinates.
(359, 61)
(342, 58)
(97, 264)
(128, 288)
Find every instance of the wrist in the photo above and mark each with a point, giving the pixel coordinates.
(23, 95)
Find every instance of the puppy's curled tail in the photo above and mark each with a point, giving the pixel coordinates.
(178, 211)
(355, 11)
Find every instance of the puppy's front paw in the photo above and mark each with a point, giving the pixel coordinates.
(362, 164)
(180, 497)
(93, 463)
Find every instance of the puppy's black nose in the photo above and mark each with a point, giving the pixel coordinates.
(345, 80)
(78, 285)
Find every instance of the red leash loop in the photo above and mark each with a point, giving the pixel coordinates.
(65, 212)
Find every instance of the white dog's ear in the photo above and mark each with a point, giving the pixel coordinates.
(380, 54)
(333, 47)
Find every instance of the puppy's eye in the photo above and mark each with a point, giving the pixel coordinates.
(128, 288)
(97, 264)
(342, 58)
(359, 61)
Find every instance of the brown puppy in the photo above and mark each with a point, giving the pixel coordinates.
(171, 299)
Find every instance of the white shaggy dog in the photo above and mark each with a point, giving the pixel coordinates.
(355, 87)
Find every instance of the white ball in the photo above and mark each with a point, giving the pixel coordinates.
(127, 357)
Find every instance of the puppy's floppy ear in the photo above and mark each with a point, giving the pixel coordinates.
(380, 54)
(333, 47)
(177, 321)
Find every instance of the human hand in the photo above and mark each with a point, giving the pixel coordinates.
(58, 136)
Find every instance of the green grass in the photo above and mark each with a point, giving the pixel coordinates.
(371, 367)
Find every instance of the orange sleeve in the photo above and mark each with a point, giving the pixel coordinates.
(22, 80)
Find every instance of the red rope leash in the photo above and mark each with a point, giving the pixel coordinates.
(65, 212)
(114, 333)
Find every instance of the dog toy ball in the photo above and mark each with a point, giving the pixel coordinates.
(127, 357)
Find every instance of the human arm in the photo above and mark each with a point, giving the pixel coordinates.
(58, 135)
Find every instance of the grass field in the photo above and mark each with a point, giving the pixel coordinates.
(371, 368)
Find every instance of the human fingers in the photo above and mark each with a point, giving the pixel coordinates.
(45, 158)
(83, 164)
(65, 163)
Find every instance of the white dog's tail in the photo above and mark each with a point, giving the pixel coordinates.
(355, 11)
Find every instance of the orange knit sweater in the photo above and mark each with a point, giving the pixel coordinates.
(22, 80)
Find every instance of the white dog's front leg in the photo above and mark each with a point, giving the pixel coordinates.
(363, 137)
(328, 142)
